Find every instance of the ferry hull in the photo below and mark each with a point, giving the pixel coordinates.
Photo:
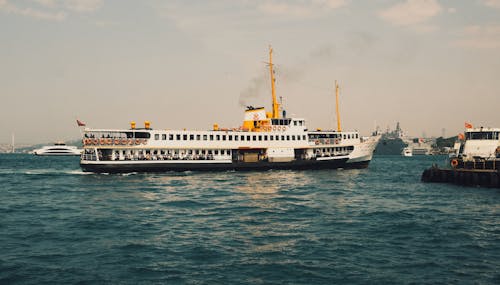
(358, 164)
(124, 167)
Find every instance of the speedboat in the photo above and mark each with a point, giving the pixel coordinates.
(59, 148)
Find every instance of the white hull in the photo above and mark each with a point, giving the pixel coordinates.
(58, 150)
(364, 151)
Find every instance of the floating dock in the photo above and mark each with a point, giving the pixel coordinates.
(463, 176)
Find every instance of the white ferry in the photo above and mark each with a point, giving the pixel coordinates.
(59, 148)
(480, 149)
(266, 140)
(407, 151)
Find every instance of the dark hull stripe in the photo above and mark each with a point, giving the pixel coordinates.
(239, 166)
(358, 165)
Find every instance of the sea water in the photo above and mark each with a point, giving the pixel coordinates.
(378, 225)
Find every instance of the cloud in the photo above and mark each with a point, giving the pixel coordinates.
(83, 5)
(46, 3)
(31, 12)
(492, 3)
(480, 37)
(411, 12)
(51, 10)
(301, 9)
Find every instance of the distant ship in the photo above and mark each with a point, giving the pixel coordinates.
(265, 140)
(407, 152)
(58, 149)
(391, 142)
(420, 146)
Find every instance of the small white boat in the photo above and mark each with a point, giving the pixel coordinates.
(407, 152)
(59, 148)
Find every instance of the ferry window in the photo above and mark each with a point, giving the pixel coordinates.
(203, 152)
(287, 138)
(191, 137)
(254, 138)
(236, 138)
(204, 137)
(178, 137)
(223, 137)
(260, 137)
(271, 138)
(211, 137)
(197, 151)
(222, 152)
(171, 137)
(248, 138)
(198, 137)
(265, 137)
(216, 152)
(190, 151)
(304, 137)
(209, 151)
(141, 135)
(157, 137)
(164, 137)
(277, 137)
(282, 138)
(294, 123)
(293, 138)
(218, 137)
(230, 137)
(185, 137)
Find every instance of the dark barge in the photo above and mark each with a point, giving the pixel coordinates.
(464, 177)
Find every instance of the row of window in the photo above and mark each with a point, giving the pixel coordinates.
(287, 122)
(334, 136)
(482, 135)
(199, 137)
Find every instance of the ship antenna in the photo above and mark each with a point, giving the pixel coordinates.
(273, 89)
(13, 145)
(339, 129)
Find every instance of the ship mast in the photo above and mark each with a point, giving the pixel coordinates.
(13, 146)
(339, 129)
(273, 89)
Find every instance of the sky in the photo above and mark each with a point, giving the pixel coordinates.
(430, 65)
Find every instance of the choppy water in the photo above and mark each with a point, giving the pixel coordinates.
(376, 225)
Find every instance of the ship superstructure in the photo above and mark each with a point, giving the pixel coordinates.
(479, 145)
(265, 140)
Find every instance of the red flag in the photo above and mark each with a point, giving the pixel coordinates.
(468, 125)
(80, 123)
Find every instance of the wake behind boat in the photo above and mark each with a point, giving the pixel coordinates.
(266, 140)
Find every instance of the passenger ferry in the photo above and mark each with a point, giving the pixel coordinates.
(265, 140)
(479, 149)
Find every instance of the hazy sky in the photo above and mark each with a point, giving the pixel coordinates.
(429, 64)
